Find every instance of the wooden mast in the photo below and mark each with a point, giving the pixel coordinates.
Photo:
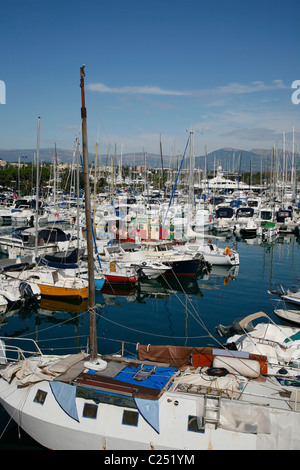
(88, 219)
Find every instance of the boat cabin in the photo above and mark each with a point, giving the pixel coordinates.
(224, 213)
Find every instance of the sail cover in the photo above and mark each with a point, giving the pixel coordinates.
(149, 409)
(65, 395)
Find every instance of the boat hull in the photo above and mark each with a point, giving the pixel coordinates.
(183, 268)
(99, 283)
(119, 279)
(58, 291)
(292, 299)
(105, 432)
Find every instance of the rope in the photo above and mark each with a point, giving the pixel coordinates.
(147, 333)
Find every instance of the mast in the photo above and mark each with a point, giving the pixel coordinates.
(88, 220)
(54, 175)
(95, 185)
(162, 185)
(37, 189)
(293, 179)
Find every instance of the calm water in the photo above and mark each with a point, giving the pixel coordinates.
(172, 311)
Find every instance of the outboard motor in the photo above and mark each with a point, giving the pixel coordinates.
(26, 291)
(234, 329)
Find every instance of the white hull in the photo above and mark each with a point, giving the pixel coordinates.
(192, 410)
(289, 315)
(150, 272)
(52, 428)
(212, 254)
(292, 297)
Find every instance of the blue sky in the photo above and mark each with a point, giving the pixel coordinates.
(223, 69)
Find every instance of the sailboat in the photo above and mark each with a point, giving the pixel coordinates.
(169, 397)
(51, 281)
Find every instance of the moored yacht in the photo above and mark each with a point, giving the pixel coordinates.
(184, 264)
(212, 254)
(132, 255)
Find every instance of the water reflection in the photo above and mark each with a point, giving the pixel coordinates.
(168, 309)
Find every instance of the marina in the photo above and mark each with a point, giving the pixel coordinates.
(165, 277)
(149, 228)
(181, 311)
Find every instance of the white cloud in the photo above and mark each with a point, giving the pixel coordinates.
(229, 89)
(136, 90)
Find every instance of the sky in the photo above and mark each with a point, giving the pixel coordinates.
(156, 69)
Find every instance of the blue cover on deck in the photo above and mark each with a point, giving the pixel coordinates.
(157, 380)
(65, 396)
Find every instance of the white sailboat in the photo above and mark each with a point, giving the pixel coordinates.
(168, 398)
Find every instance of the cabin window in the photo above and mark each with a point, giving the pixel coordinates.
(130, 418)
(40, 397)
(193, 424)
(90, 411)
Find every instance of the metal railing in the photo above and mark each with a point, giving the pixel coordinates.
(24, 347)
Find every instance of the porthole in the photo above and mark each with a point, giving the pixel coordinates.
(193, 425)
(130, 418)
(40, 397)
(90, 411)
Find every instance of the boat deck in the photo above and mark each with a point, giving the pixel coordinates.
(118, 377)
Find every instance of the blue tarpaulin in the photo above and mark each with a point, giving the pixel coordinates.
(157, 380)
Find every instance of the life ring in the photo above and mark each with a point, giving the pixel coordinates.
(226, 250)
(217, 371)
(229, 253)
(112, 267)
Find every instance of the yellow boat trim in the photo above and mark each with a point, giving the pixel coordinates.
(64, 291)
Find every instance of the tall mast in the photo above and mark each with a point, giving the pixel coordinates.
(293, 179)
(37, 189)
(88, 220)
(95, 185)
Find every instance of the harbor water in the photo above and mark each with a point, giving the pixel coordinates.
(170, 310)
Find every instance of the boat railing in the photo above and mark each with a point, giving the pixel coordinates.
(24, 347)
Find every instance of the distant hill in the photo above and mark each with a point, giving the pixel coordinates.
(228, 158)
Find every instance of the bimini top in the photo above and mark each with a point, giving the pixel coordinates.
(224, 212)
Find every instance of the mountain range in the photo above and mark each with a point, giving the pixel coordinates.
(229, 159)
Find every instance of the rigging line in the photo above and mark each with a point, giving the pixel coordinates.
(54, 326)
(199, 320)
(23, 399)
(145, 332)
(173, 192)
(59, 339)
